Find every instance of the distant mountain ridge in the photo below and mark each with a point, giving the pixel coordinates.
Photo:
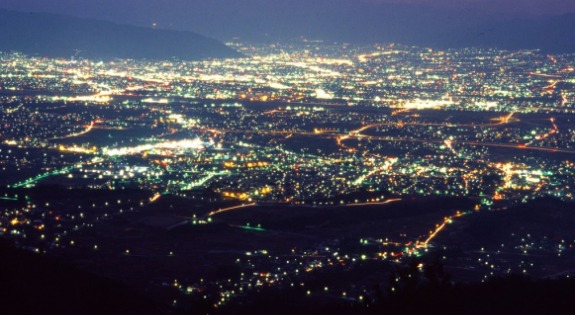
(552, 34)
(371, 21)
(56, 36)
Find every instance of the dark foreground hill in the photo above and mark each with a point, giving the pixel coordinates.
(32, 284)
(35, 284)
(511, 295)
(58, 36)
(547, 220)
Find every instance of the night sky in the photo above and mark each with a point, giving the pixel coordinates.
(229, 18)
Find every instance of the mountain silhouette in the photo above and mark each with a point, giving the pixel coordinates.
(371, 21)
(56, 36)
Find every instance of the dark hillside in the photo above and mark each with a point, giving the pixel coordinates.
(33, 284)
(58, 36)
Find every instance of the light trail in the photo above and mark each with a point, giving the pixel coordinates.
(546, 135)
(473, 143)
(563, 100)
(552, 85)
(520, 147)
(544, 75)
(440, 228)
(373, 203)
(501, 121)
(62, 171)
(231, 209)
(506, 119)
(155, 197)
(386, 165)
(263, 132)
(355, 133)
(202, 181)
(449, 145)
(77, 134)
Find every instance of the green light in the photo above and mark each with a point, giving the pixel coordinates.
(251, 228)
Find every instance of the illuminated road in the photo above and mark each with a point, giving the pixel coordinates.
(372, 203)
(473, 143)
(520, 147)
(262, 132)
(231, 209)
(545, 75)
(440, 228)
(546, 135)
(63, 171)
(503, 120)
(77, 134)
(358, 132)
(155, 197)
